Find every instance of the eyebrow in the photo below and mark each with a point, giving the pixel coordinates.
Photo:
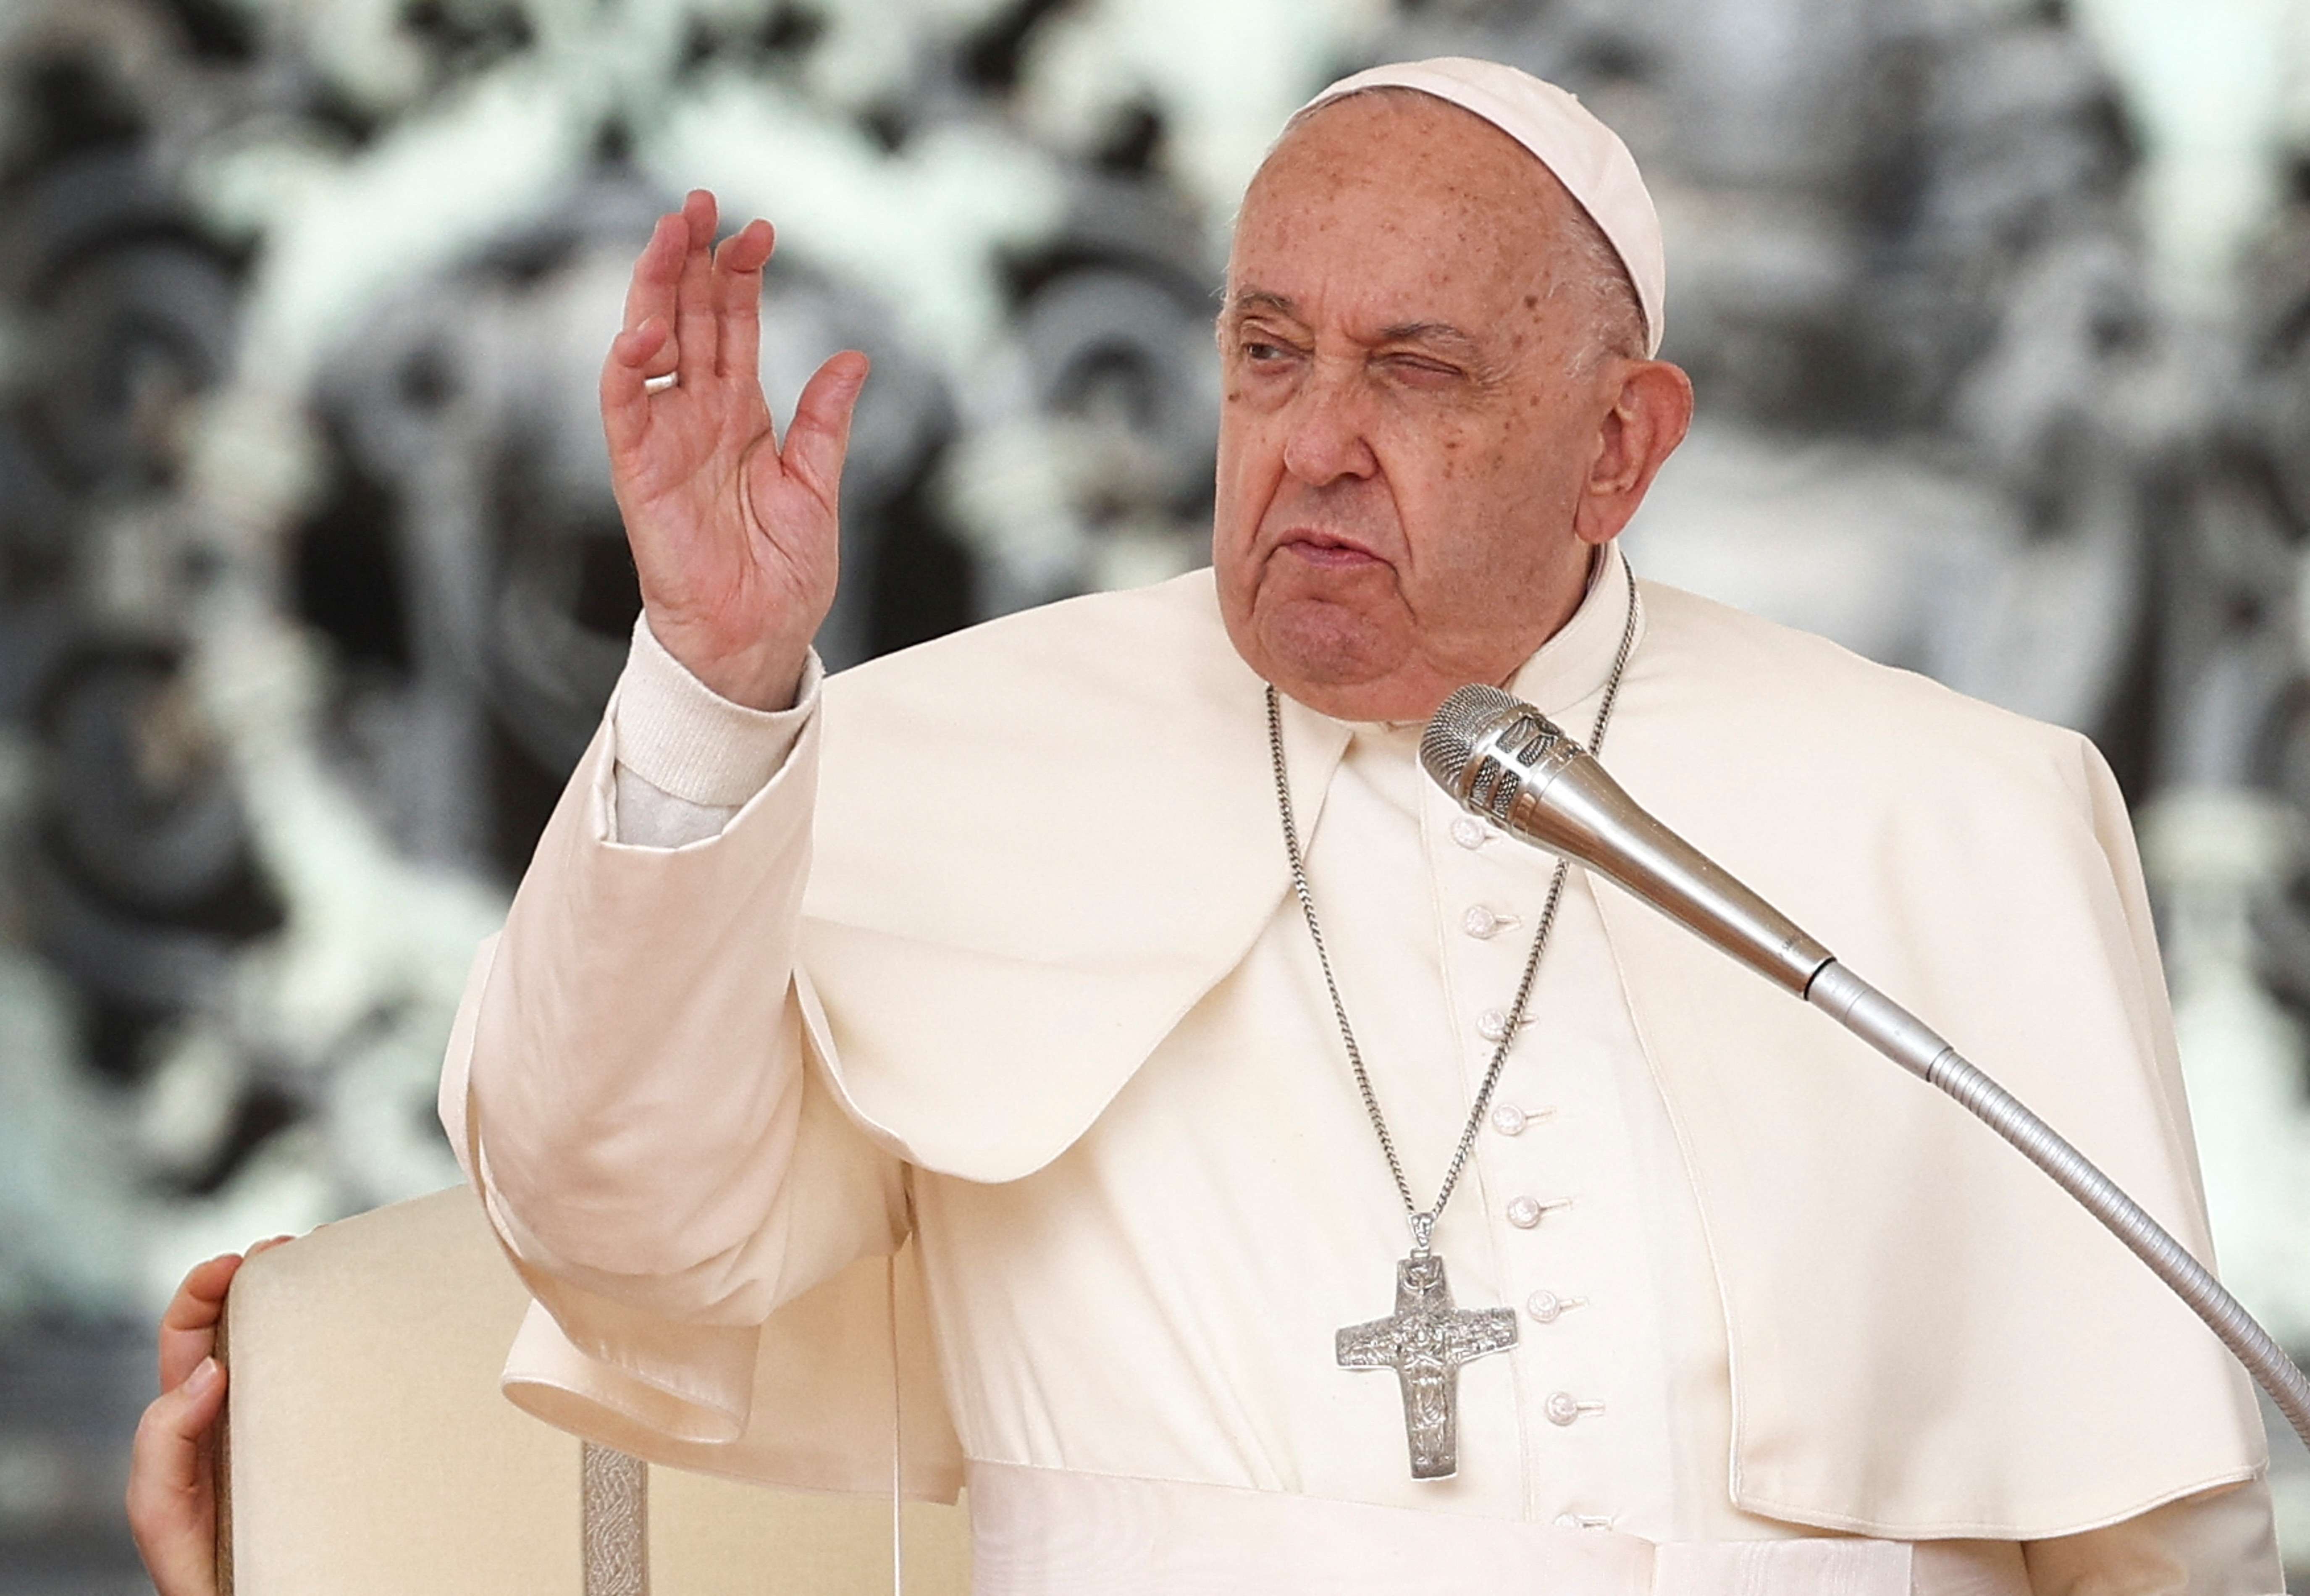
(1428, 331)
(1259, 299)
(1253, 301)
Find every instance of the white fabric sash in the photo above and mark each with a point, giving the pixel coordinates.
(1057, 1532)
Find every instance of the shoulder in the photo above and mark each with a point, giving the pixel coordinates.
(1056, 704)
(1125, 646)
(1824, 717)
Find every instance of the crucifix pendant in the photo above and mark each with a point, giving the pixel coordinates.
(1425, 1341)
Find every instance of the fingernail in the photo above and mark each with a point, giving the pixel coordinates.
(203, 1377)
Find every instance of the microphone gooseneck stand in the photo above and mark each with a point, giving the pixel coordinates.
(1502, 759)
(1901, 1037)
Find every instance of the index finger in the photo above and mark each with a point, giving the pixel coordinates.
(189, 1325)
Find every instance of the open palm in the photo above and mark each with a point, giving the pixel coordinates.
(734, 537)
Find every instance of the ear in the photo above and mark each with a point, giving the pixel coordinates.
(1647, 419)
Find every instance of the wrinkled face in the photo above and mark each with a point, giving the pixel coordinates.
(1411, 425)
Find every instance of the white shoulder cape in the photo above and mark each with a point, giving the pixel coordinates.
(1040, 841)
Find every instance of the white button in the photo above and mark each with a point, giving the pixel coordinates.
(1568, 1521)
(1563, 1408)
(1547, 1307)
(1467, 833)
(1492, 1025)
(1480, 923)
(1525, 1212)
(1509, 1120)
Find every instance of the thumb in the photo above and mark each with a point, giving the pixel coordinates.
(168, 1470)
(821, 434)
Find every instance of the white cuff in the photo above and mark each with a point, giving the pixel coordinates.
(688, 741)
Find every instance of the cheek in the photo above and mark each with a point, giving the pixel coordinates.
(1474, 501)
(1237, 503)
(1447, 479)
(1250, 461)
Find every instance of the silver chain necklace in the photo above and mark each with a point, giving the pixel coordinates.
(1427, 1339)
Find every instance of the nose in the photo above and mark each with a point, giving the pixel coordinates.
(1326, 440)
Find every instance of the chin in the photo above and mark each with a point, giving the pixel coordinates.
(1328, 645)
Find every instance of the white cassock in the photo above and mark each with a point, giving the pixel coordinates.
(1041, 1000)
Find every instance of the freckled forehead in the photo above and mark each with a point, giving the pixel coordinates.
(1384, 208)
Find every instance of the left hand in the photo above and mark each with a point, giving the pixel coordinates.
(172, 1466)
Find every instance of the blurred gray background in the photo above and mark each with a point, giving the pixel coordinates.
(311, 587)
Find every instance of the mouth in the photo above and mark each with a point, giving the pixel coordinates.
(1327, 551)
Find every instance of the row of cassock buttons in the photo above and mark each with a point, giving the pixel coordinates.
(1484, 923)
(1526, 1212)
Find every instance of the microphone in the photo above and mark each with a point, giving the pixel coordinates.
(1503, 760)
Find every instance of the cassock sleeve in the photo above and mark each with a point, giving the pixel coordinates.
(629, 1085)
(687, 759)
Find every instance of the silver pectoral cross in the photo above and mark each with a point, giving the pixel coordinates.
(1425, 1341)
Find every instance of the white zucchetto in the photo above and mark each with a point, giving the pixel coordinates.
(1588, 157)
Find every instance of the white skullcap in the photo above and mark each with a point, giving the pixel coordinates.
(1588, 157)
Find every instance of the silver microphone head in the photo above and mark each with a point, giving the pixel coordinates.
(1449, 743)
(1481, 744)
(1501, 758)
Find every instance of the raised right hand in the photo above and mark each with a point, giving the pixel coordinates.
(734, 538)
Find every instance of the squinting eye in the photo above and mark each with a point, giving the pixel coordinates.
(1260, 354)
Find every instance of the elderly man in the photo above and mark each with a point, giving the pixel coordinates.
(1118, 954)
